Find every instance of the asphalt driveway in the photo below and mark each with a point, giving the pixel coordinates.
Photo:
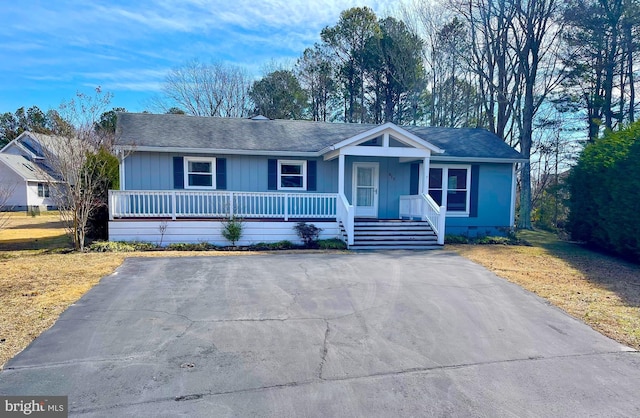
(369, 334)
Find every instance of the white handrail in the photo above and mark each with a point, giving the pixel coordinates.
(423, 207)
(346, 214)
(220, 204)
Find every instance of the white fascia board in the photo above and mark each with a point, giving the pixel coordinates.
(186, 150)
(478, 160)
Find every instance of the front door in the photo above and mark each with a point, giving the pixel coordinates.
(365, 189)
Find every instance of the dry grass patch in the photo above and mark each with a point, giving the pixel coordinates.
(25, 232)
(602, 291)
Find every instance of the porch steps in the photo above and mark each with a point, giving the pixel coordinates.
(393, 235)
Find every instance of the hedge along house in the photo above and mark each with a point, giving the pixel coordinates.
(373, 186)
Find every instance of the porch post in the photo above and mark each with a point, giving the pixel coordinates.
(425, 176)
(341, 174)
(121, 169)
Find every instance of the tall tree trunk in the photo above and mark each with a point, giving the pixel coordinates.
(524, 221)
(630, 73)
(613, 9)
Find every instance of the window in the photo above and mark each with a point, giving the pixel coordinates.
(43, 190)
(435, 184)
(449, 186)
(199, 173)
(292, 175)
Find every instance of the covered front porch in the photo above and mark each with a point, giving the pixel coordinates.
(331, 211)
(381, 174)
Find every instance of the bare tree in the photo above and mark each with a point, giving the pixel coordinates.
(536, 29)
(202, 89)
(73, 160)
(6, 190)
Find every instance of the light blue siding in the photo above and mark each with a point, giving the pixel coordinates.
(249, 173)
(154, 171)
(394, 179)
(148, 171)
(494, 204)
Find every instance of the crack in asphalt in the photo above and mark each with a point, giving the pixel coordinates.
(194, 396)
(325, 350)
(321, 380)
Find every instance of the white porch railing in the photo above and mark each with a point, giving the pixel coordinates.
(423, 207)
(346, 215)
(220, 204)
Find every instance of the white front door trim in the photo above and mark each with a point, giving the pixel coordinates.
(370, 190)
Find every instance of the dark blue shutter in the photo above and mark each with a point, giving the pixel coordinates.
(178, 173)
(272, 174)
(312, 171)
(414, 179)
(221, 173)
(473, 199)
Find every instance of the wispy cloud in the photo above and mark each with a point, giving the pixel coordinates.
(54, 47)
(127, 79)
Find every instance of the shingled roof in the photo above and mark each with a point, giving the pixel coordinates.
(24, 168)
(143, 130)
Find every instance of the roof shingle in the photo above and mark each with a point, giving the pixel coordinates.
(235, 134)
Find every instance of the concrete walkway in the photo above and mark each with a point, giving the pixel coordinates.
(321, 335)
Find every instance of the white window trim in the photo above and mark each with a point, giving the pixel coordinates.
(46, 190)
(211, 160)
(303, 163)
(445, 189)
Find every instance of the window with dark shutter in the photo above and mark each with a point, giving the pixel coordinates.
(272, 174)
(178, 172)
(221, 174)
(312, 175)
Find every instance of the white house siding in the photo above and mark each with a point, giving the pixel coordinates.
(34, 200)
(9, 180)
(191, 231)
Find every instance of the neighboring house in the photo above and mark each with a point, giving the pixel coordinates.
(24, 172)
(374, 186)
(23, 185)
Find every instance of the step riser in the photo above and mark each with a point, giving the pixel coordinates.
(392, 223)
(401, 232)
(394, 235)
(404, 247)
(405, 231)
(394, 242)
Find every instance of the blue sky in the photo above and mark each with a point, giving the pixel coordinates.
(51, 49)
